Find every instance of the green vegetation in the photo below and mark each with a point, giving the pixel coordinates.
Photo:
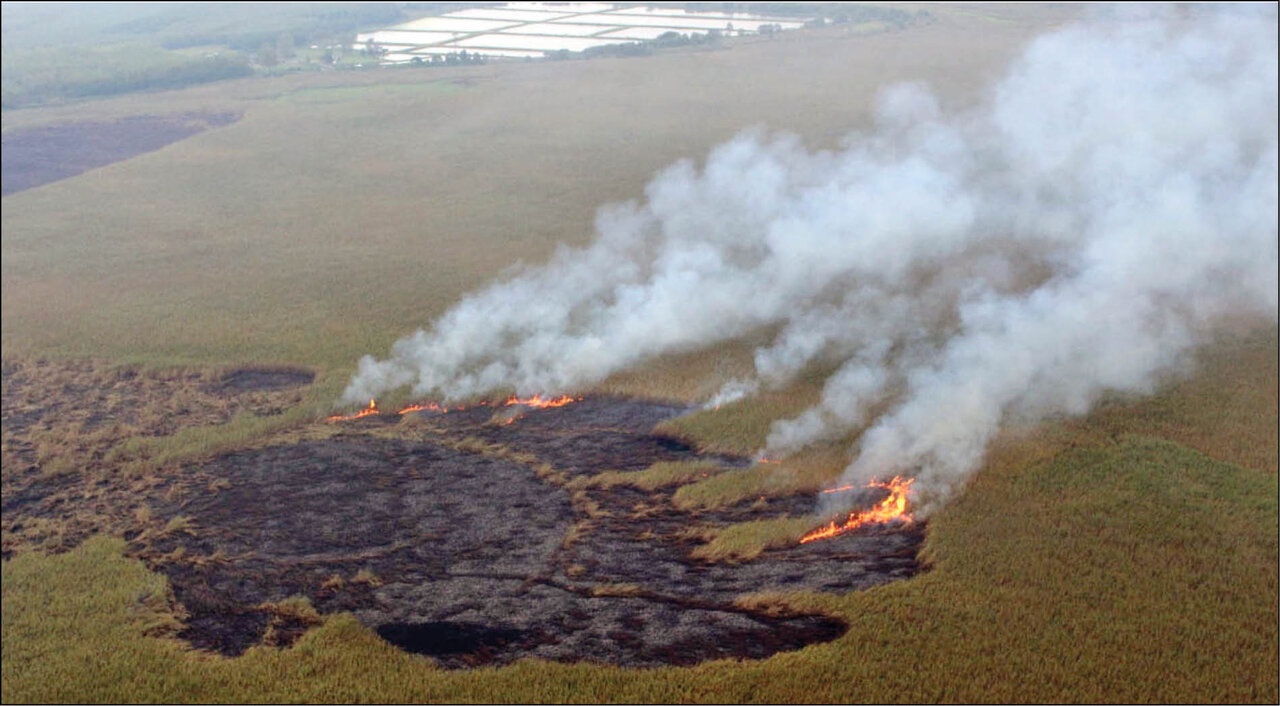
(746, 540)
(54, 52)
(240, 26)
(806, 472)
(653, 477)
(1227, 410)
(54, 74)
(742, 426)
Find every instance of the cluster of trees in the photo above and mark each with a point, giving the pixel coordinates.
(321, 24)
(272, 53)
(52, 75)
(675, 39)
(628, 49)
(450, 59)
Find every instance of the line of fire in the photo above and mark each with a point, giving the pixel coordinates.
(891, 510)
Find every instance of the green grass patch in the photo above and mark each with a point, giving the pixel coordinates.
(807, 471)
(41, 75)
(746, 540)
(742, 426)
(656, 476)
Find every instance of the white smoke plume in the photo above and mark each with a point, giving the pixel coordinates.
(1073, 235)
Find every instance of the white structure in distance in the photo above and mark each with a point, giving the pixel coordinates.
(533, 30)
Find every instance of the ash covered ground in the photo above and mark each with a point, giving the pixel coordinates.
(61, 421)
(454, 545)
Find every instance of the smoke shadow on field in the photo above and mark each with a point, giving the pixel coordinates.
(447, 548)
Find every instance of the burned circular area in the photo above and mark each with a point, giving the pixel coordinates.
(477, 541)
(246, 379)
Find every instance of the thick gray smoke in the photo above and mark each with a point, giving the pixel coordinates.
(1076, 234)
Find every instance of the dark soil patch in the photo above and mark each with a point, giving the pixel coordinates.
(264, 379)
(442, 639)
(59, 421)
(453, 549)
(40, 155)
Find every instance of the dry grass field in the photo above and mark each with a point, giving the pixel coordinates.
(1129, 555)
(345, 209)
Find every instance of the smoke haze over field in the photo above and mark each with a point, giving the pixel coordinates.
(1076, 234)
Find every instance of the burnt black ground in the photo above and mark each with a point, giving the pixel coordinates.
(40, 155)
(263, 379)
(471, 558)
(61, 420)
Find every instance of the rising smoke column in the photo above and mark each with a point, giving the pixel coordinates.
(1076, 234)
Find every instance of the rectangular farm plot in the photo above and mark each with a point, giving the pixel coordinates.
(734, 17)
(667, 21)
(532, 30)
(454, 24)
(642, 33)
(530, 42)
(574, 7)
(559, 29)
(503, 13)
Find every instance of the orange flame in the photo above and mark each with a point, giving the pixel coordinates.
(891, 509)
(367, 411)
(538, 402)
(428, 407)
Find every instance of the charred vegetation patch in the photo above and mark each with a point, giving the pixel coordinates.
(61, 420)
(476, 542)
(258, 379)
(40, 155)
(468, 536)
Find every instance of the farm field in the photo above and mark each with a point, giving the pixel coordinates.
(531, 30)
(182, 523)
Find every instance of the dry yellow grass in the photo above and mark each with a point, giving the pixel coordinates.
(343, 211)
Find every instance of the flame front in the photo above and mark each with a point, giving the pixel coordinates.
(892, 508)
(367, 411)
(538, 402)
(428, 407)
